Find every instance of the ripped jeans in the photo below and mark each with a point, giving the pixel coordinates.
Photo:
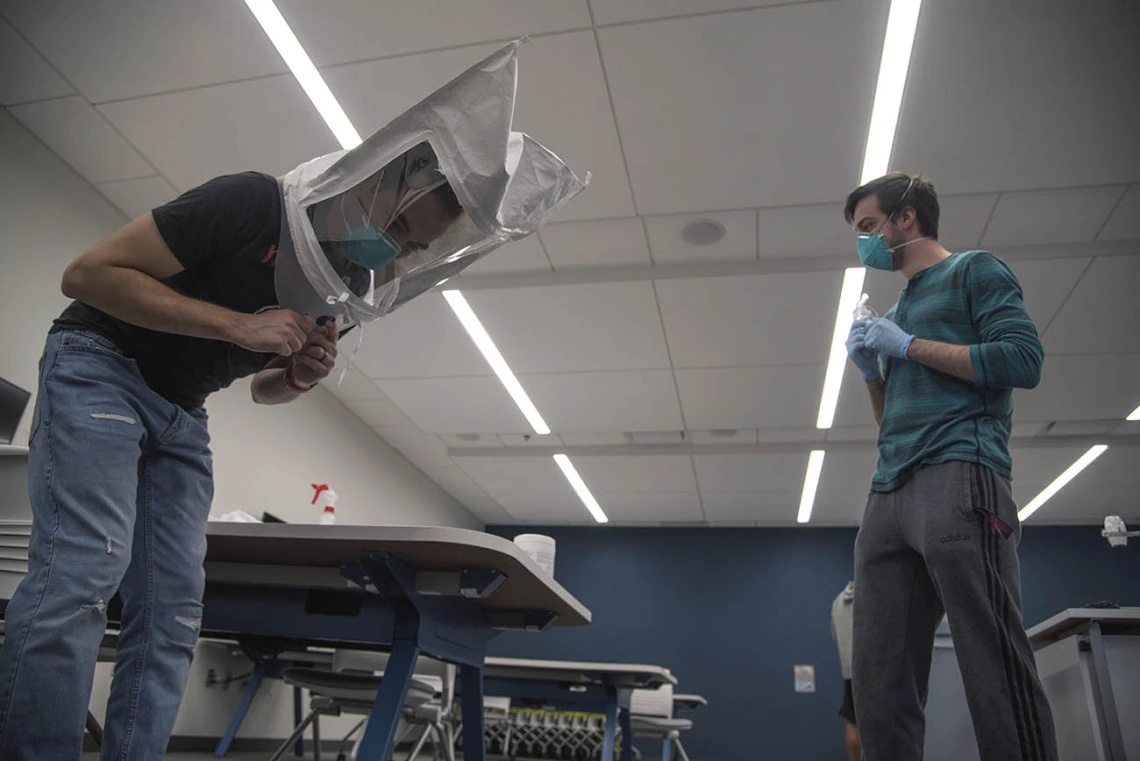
(121, 484)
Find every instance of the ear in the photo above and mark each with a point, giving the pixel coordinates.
(906, 218)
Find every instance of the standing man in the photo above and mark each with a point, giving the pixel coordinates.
(842, 612)
(940, 531)
(177, 304)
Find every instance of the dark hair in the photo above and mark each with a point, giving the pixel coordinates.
(447, 200)
(889, 190)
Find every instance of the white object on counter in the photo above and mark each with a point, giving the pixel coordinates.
(540, 548)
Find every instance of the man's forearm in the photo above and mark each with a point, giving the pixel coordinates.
(137, 298)
(875, 389)
(951, 359)
(269, 387)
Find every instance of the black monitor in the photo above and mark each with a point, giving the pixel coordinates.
(13, 401)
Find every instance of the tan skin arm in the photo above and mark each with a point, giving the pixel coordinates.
(122, 276)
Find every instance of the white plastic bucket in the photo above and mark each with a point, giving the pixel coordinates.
(540, 548)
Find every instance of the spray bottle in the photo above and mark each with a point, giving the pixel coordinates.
(864, 312)
(329, 498)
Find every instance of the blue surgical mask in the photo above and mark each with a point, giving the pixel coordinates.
(874, 252)
(368, 246)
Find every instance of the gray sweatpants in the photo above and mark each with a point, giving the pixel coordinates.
(945, 542)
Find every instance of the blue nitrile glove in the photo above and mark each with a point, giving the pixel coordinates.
(865, 359)
(884, 336)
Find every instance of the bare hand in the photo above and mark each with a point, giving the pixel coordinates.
(317, 357)
(276, 331)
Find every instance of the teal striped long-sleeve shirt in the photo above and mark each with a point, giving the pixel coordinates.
(971, 299)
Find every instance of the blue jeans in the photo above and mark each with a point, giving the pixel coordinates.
(121, 484)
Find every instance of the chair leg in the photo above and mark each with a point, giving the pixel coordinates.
(317, 739)
(419, 744)
(298, 732)
(681, 750)
(94, 730)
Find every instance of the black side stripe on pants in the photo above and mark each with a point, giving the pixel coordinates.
(1017, 678)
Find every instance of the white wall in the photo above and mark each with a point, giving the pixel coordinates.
(265, 458)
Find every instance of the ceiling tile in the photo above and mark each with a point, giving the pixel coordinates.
(24, 74)
(961, 219)
(196, 135)
(516, 474)
(1037, 467)
(738, 243)
(561, 102)
(605, 243)
(1124, 224)
(750, 397)
(378, 413)
(456, 405)
(749, 320)
(650, 507)
(984, 111)
(423, 450)
(624, 11)
(766, 508)
(1070, 215)
(356, 387)
(786, 434)
(743, 110)
(82, 138)
(1046, 284)
(1081, 388)
(357, 30)
(557, 328)
(544, 508)
(843, 486)
(524, 255)
(817, 230)
(421, 339)
(137, 197)
(750, 472)
(638, 473)
(1102, 314)
(869, 433)
(643, 400)
(125, 48)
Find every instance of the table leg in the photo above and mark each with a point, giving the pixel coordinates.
(474, 738)
(611, 727)
(299, 748)
(243, 708)
(388, 708)
(626, 736)
(1105, 700)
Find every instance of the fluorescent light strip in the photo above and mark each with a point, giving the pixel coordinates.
(1134, 416)
(491, 353)
(580, 487)
(902, 21)
(811, 484)
(304, 71)
(1058, 484)
(837, 361)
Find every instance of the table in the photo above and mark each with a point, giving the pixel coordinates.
(442, 591)
(605, 687)
(1075, 650)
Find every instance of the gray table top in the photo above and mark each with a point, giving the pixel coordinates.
(584, 672)
(424, 548)
(1073, 620)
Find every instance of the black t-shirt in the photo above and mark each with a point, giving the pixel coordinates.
(225, 233)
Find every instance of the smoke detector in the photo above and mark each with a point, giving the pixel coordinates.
(703, 232)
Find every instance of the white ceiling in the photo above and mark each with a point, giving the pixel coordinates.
(684, 381)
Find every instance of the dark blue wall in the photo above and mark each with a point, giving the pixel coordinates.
(730, 611)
